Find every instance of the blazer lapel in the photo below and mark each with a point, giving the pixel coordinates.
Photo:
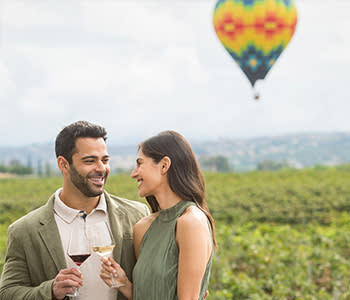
(116, 223)
(51, 237)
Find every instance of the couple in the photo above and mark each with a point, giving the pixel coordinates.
(163, 255)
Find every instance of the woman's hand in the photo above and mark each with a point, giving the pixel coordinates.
(111, 268)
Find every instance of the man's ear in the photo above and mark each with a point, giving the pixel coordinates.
(62, 164)
(165, 164)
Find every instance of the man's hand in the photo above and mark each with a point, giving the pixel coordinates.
(64, 282)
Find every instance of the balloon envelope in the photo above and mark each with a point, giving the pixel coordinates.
(255, 32)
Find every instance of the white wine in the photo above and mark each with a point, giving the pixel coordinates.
(103, 250)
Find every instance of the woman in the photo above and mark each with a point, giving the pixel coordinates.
(174, 244)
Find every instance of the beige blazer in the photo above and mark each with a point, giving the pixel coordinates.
(35, 254)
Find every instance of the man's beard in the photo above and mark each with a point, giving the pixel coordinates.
(82, 183)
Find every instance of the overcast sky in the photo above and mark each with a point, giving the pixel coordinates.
(140, 67)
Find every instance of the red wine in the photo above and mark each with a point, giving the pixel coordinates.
(79, 259)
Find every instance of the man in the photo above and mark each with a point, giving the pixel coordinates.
(37, 266)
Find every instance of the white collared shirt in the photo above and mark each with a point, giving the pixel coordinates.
(69, 219)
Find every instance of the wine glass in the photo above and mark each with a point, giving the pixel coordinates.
(102, 242)
(78, 250)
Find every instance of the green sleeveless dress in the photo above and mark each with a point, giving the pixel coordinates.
(155, 273)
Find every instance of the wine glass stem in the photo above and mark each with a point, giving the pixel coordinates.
(114, 284)
(75, 289)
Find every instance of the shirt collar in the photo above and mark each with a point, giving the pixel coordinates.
(68, 214)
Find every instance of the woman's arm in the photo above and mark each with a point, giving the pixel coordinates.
(194, 240)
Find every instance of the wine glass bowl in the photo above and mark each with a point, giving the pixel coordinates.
(103, 251)
(78, 259)
(78, 250)
(102, 241)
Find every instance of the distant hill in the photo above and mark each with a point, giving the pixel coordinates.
(299, 150)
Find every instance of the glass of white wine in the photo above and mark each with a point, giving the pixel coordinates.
(78, 250)
(102, 242)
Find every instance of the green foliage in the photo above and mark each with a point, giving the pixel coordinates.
(281, 235)
(343, 167)
(21, 195)
(284, 197)
(3, 239)
(266, 261)
(15, 167)
(270, 165)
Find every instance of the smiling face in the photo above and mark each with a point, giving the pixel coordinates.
(90, 166)
(148, 174)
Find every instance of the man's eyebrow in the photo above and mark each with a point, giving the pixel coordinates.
(138, 159)
(88, 157)
(93, 157)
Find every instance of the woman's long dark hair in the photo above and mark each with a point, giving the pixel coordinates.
(184, 175)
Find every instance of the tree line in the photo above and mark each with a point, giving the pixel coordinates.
(15, 167)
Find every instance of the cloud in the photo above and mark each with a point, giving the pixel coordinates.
(330, 29)
(7, 85)
(139, 67)
(20, 14)
(151, 22)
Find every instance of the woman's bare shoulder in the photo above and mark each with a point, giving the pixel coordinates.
(193, 216)
(193, 230)
(144, 223)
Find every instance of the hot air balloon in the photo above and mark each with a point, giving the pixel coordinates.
(255, 32)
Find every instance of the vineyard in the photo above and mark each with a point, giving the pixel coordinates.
(281, 235)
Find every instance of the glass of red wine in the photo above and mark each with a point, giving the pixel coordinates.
(78, 250)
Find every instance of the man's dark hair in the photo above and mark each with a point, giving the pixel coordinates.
(65, 140)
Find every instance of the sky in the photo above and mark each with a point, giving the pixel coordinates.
(141, 67)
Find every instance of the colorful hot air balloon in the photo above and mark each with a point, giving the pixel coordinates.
(255, 32)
